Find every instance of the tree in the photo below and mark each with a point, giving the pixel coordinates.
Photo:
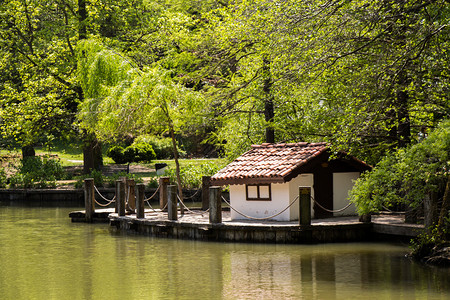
(122, 100)
(350, 72)
(37, 94)
(413, 176)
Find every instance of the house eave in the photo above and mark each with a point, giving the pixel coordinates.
(252, 180)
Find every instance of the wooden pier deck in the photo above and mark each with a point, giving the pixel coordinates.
(196, 226)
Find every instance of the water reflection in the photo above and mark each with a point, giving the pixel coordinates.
(44, 256)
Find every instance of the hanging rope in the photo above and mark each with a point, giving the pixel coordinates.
(154, 194)
(151, 207)
(190, 197)
(329, 210)
(101, 196)
(191, 211)
(254, 218)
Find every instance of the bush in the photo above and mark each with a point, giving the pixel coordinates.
(111, 180)
(95, 174)
(3, 178)
(191, 175)
(37, 172)
(117, 154)
(162, 146)
(136, 152)
(108, 181)
(142, 152)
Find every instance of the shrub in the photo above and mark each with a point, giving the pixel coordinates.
(95, 174)
(136, 152)
(162, 146)
(37, 172)
(191, 174)
(3, 178)
(117, 154)
(142, 152)
(111, 180)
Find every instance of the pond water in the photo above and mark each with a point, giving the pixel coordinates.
(45, 256)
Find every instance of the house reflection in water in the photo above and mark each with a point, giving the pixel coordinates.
(339, 272)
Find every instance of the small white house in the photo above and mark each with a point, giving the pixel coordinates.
(266, 180)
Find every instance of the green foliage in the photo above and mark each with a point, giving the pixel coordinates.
(136, 152)
(37, 172)
(117, 154)
(363, 75)
(162, 145)
(142, 152)
(3, 178)
(423, 245)
(191, 174)
(408, 175)
(111, 180)
(95, 174)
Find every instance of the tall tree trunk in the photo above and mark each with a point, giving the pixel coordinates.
(176, 157)
(445, 208)
(175, 151)
(92, 154)
(82, 16)
(269, 113)
(28, 151)
(403, 120)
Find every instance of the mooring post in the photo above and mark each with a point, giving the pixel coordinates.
(140, 195)
(131, 200)
(117, 192)
(120, 197)
(163, 183)
(206, 183)
(215, 204)
(172, 202)
(304, 194)
(89, 199)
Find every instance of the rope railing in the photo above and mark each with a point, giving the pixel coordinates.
(192, 196)
(189, 210)
(154, 194)
(330, 210)
(260, 219)
(103, 197)
(151, 207)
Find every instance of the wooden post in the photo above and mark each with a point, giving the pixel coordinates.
(172, 202)
(89, 199)
(215, 204)
(206, 183)
(140, 195)
(120, 197)
(304, 194)
(117, 192)
(131, 200)
(163, 183)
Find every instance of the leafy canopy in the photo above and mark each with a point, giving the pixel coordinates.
(406, 176)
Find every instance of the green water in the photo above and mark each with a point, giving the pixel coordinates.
(44, 256)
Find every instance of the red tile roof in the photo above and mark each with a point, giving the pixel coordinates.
(269, 163)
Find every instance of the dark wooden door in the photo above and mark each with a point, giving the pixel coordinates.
(323, 191)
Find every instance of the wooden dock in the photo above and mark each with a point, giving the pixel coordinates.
(195, 225)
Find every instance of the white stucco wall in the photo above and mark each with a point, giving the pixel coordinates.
(260, 209)
(342, 184)
(282, 195)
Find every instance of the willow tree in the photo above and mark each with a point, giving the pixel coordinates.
(122, 100)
